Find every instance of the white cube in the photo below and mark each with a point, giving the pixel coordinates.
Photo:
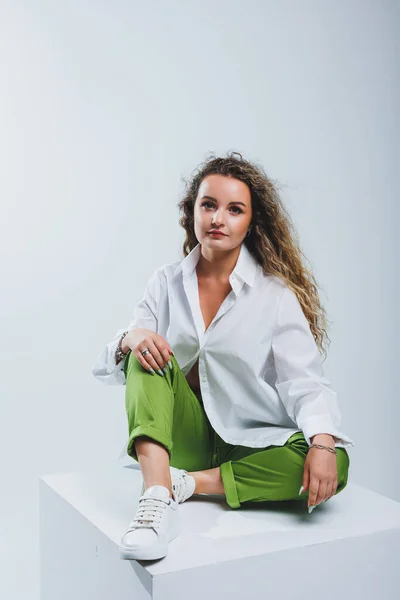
(347, 548)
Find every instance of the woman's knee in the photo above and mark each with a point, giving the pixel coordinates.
(132, 364)
(134, 368)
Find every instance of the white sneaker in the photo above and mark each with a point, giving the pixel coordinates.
(155, 524)
(183, 484)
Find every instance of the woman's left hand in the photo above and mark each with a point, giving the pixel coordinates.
(320, 472)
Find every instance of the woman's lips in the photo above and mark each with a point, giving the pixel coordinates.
(218, 234)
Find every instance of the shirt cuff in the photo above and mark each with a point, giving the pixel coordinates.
(105, 367)
(315, 425)
(112, 366)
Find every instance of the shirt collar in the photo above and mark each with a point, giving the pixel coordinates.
(245, 268)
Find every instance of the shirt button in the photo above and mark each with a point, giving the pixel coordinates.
(204, 378)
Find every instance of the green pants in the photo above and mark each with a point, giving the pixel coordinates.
(167, 410)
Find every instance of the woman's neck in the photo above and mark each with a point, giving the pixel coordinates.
(218, 266)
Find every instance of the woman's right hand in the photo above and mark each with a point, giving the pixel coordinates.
(139, 340)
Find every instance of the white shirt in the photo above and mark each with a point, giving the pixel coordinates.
(260, 370)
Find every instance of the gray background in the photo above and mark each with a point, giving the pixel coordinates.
(104, 107)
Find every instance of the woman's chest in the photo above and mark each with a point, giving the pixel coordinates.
(211, 296)
(217, 319)
(210, 299)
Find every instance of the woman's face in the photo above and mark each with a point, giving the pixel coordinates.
(222, 203)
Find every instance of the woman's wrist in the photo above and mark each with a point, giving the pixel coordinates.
(323, 438)
(121, 350)
(124, 345)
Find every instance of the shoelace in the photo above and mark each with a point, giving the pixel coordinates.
(148, 514)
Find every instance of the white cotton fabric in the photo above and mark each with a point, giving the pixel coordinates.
(260, 369)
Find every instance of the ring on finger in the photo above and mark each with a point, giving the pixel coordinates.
(144, 352)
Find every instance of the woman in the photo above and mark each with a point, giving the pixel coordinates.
(225, 391)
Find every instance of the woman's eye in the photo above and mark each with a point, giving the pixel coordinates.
(209, 204)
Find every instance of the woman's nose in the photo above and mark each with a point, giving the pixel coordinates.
(218, 218)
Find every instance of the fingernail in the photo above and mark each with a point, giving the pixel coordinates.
(301, 489)
(310, 509)
(170, 364)
(160, 372)
(165, 370)
(152, 371)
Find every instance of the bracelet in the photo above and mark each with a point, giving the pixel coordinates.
(119, 355)
(333, 450)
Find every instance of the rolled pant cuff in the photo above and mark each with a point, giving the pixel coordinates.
(150, 432)
(228, 480)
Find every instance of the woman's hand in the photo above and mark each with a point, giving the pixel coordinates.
(320, 471)
(139, 340)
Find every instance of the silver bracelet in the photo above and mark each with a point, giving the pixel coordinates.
(119, 355)
(333, 450)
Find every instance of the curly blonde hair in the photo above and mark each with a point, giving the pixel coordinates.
(273, 240)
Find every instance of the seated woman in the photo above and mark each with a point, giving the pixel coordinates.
(225, 390)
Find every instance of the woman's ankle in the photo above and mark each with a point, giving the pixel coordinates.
(208, 482)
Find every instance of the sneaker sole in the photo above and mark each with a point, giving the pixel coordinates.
(157, 550)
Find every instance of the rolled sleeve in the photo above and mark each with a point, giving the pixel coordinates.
(105, 367)
(304, 390)
(144, 316)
